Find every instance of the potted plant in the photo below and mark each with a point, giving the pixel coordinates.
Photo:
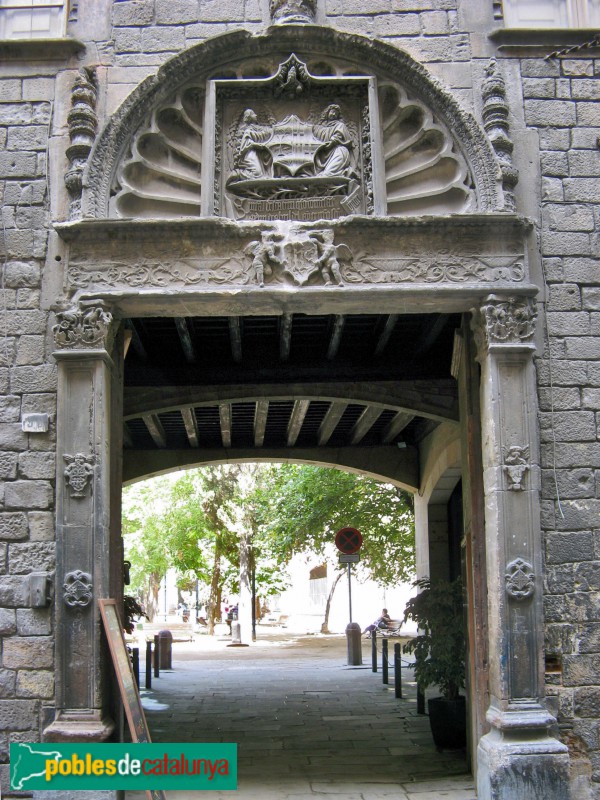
(440, 656)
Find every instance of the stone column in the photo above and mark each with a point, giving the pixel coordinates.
(518, 757)
(83, 337)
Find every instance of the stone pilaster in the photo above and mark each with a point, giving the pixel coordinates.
(83, 497)
(519, 757)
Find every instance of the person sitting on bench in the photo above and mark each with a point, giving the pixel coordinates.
(381, 623)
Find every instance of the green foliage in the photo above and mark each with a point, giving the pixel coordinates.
(302, 507)
(440, 648)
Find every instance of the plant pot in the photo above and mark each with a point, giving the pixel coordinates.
(448, 720)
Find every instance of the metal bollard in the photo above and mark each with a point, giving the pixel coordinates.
(135, 663)
(420, 700)
(148, 665)
(397, 671)
(374, 651)
(156, 657)
(353, 644)
(384, 660)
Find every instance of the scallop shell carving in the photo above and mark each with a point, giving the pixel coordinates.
(162, 176)
(424, 173)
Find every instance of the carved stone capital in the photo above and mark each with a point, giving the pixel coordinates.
(83, 328)
(520, 579)
(78, 472)
(505, 321)
(78, 589)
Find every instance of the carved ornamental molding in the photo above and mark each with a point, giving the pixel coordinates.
(78, 589)
(495, 121)
(83, 328)
(520, 579)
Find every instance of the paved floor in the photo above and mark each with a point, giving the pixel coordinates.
(307, 726)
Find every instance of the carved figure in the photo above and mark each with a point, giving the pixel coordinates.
(264, 254)
(515, 466)
(252, 159)
(334, 157)
(327, 262)
(82, 327)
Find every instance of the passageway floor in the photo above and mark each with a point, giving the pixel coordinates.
(306, 725)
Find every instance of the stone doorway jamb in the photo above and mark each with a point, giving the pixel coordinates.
(83, 336)
(518, 757)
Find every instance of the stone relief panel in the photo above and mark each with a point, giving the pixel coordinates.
(83, 328)
(78, 472)
(291, 147)
(516, 466)
(520, 579)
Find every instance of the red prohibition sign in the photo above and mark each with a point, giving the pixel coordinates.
(348, 540)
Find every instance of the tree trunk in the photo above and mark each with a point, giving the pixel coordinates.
(213, 607)
(325, 625)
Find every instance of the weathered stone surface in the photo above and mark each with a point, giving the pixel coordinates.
(41, 526)
(35, 683)
(31, 557)
(34, 621)
(13, 526)
(37, 465)
(14, 591)
(580, 670)
(7, 683)
(19, 715)
(21, 652)
(10, 408)
(564, 548)
(29, 494)
(33, 379)
(8, 623)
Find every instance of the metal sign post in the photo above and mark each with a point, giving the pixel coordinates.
(348, 541)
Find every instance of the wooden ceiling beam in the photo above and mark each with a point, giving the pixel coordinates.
(364, 423)
(296, 420)
(330, 421)
(191, 426)
(395, 426)
(285, 341)
(155, 429)
(235, 336)
(336, 336)
(387, 331)
(186, 340)
(225, 421)
(261, 413)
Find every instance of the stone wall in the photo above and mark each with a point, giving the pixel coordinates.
(554, 101)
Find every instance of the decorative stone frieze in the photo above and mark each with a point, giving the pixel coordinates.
(495, 121)
(520, 579)
(83, 328)
(83, 122)
(79, 472)
(77, 589)
(516, 466)
(292, 12)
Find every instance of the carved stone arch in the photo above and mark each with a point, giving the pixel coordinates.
(447, 143)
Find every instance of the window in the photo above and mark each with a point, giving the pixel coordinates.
(32, 19)
(551, 13)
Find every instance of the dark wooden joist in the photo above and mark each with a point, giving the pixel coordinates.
(225, 421)
(235, 336)
(191, 426)
(261, 413)
(155, 429)
(364, 423)
(296, 419)
(330, 421)
(186, 340)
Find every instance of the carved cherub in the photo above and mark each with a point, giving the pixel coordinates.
(264, 254)
(327, 262)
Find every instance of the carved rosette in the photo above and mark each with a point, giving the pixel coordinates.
(78, 472)
(495, 121)
(506, 321)
(516, 466)
(520, 579)
(83, 328)
(83, 122)
(293, 12)
(78, 589)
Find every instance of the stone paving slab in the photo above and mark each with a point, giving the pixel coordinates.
(306, 726)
